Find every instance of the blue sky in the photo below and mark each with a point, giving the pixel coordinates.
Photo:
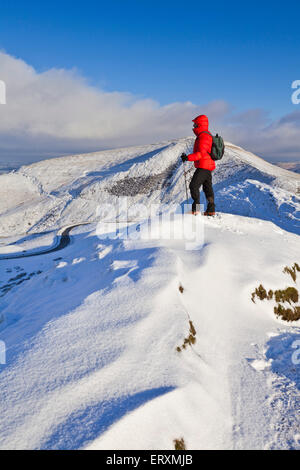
(244, 54)
(247, 54)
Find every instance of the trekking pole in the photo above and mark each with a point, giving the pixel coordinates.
(186, 191)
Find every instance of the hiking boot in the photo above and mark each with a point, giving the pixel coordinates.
(194, 212)
(209, 213)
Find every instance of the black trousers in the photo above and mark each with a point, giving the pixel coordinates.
(202, 177)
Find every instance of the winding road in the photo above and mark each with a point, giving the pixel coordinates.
(63, 240)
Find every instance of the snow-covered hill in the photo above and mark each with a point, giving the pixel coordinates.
(58, 192)
(94, 333)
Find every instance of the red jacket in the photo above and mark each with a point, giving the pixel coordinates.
(202, 146)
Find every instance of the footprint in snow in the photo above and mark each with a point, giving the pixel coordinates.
(62, 264)
(104, 251)
(121, 264)
(260, 364)
(272, 334)
(78, 260)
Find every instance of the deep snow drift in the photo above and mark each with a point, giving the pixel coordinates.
(92, 331)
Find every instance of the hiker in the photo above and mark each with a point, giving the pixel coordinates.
(204, 166)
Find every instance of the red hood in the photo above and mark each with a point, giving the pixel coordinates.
(202, 122)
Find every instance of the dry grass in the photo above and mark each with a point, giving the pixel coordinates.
(179, 444)
(190, 339)
(289, 295)
(292, 271)
(287, 314)
(260, 292)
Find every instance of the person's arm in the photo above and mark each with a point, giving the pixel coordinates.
(192, 157)
(196, 155)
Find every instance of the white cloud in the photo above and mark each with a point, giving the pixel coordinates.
(58, 112)
(274, 140)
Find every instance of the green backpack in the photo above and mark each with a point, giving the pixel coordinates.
(217, 147)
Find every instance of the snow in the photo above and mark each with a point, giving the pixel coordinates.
(62, 264)
(78, 260)
(260, 364)
(59, 192)
(29, 244)
(92, 331)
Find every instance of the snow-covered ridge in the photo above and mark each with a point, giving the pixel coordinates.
(92, 335)
(92, 331)
(261, 164)
(58, 192)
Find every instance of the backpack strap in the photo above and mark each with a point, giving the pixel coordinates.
(205, 132)
(212, 141)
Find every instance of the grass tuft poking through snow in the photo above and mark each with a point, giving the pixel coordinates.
(260, 292)
(289, 295)
(287, 314)
(190, 339)
(179, 444)
(292, 271)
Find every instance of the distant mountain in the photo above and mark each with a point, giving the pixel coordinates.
(292, 166)
(8, 168)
